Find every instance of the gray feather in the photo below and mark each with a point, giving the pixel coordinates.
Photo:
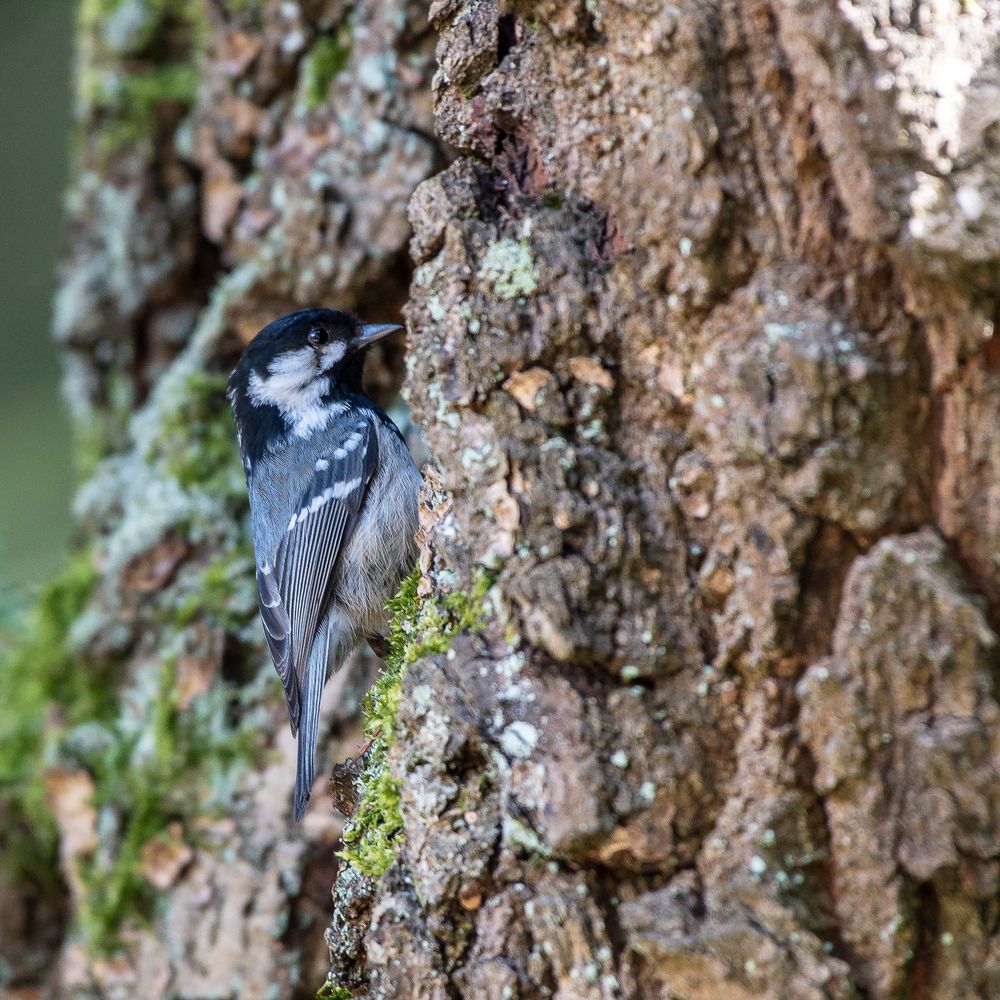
(312, 697)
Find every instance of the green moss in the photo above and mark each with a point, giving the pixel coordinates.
(418, 627)
(153, 765)
(139, 96)
(223, 594)
(93, 13)
(197, 438)
(327, 57)
(375, 829)
(39, 676)
(330, 992)
(153, 760)
(140, 58)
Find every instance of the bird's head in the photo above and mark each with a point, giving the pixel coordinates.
(302, 367)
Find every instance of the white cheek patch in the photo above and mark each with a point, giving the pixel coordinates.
(296, 387)
(292, 368)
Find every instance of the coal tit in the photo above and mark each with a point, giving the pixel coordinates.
(333, 503)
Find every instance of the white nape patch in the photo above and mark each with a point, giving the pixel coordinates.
(295, 385)
(336, 492)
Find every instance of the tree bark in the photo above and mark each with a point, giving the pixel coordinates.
(701, 342)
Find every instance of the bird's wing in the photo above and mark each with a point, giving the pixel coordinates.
(277, 632)
(294, 592)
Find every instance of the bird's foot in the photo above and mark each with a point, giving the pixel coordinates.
(345, 782)
(365, 749)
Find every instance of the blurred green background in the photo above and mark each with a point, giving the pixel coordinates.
(35, 472)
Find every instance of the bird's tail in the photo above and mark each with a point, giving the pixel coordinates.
(311, 697)
(335, 640)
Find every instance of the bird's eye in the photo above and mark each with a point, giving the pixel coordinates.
(318, 337)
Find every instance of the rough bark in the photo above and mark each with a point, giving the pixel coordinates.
(701, 340)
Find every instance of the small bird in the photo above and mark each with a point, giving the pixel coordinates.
(333, 503)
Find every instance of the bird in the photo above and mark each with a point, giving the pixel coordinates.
(333, 495)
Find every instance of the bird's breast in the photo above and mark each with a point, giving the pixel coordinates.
(382, 549)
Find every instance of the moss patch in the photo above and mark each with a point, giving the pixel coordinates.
(330, 992)
(122, 680)
(327, 57)
(39, 677)
(152, 761)
(419, 627)
(139, 66)
(197, 438)
(153, 764)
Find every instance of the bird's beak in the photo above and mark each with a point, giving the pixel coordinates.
(370, 333)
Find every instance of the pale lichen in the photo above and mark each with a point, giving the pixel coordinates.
(509, 267)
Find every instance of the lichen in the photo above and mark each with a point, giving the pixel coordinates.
(509, 266)
(222, 593)
(419, 627)
(518, 835)
(182, 476)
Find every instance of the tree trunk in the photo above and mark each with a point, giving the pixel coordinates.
(697, 687)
